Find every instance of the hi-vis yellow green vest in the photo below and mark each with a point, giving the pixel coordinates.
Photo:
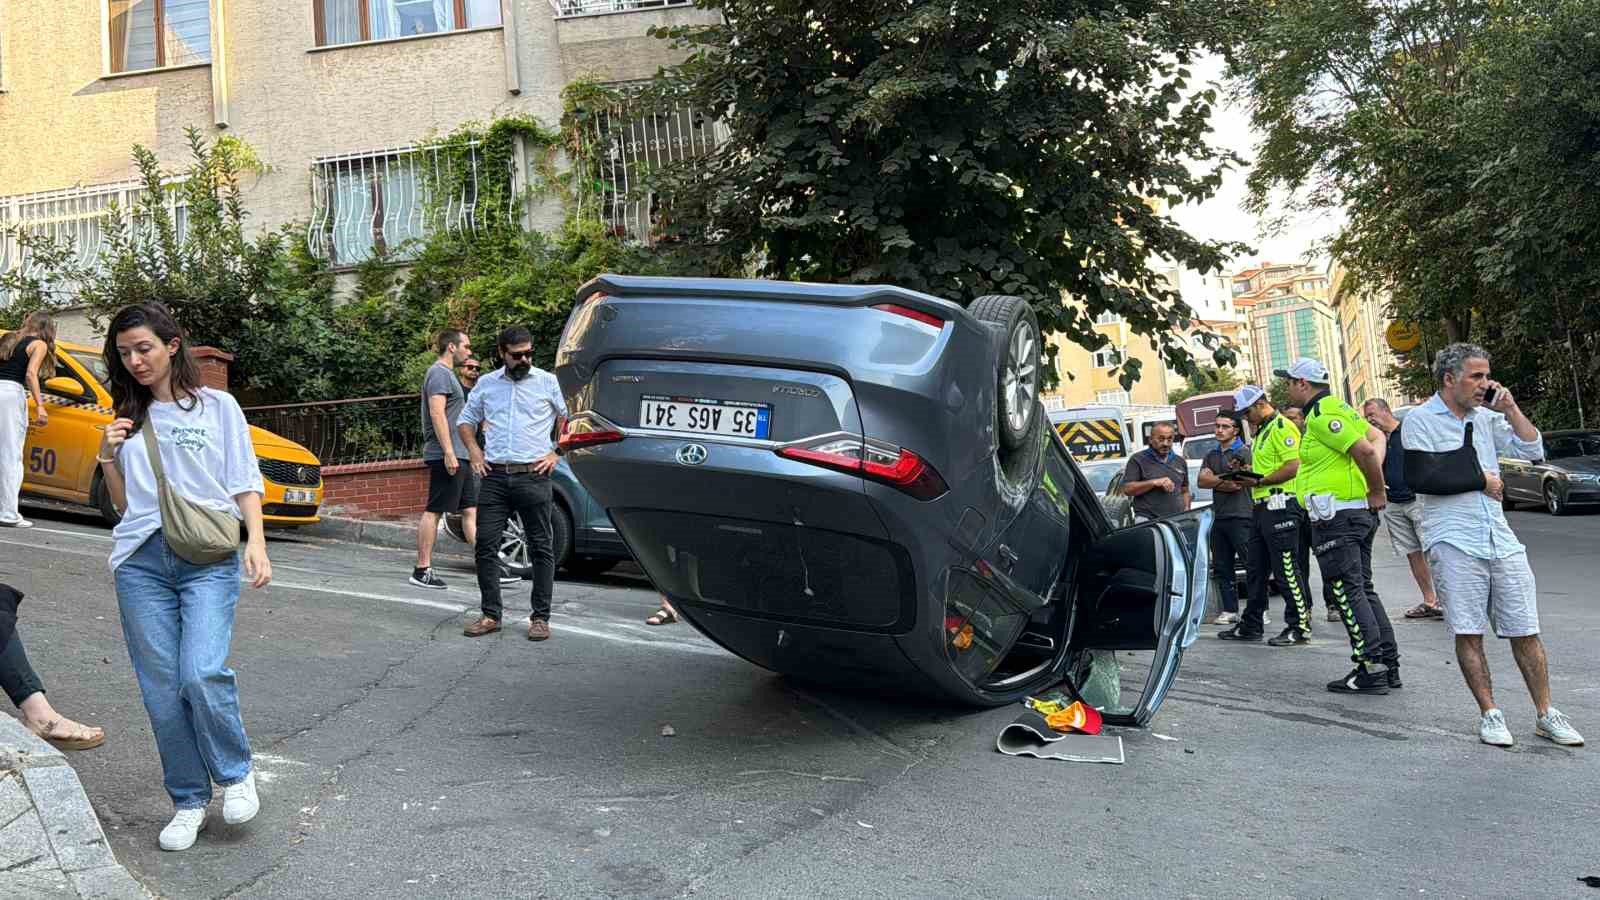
(1277, 442)
(1332, 428)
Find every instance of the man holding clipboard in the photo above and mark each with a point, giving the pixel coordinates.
(1222, 473)
(1274, 523)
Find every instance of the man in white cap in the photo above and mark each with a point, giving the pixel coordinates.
(1341, 487)
(1275, 456)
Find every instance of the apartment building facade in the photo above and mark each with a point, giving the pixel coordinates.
(338, 98)
(1289, 316)
(1363, 318)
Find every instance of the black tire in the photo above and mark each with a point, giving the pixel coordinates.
(450, 523)
(561, 534)
(1018, 370)
(590, 566)
(102, 501)
(1554, 503)
(1506, 503)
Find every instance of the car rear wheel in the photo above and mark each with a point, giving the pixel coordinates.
(1018, 372)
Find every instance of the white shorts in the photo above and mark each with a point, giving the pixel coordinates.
(1405, 526)
(1477, 592)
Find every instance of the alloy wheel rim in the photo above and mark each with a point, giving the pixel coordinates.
(1021, 376)
(1551, 502)
(514, 544)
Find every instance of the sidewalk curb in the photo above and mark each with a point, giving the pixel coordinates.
(395, 535)
(51, 842)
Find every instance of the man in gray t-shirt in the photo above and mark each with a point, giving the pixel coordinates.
(1156, 478)
(443, 451)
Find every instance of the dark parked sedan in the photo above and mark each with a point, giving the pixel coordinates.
(856, 485)
(584, 541)
(1568, 476)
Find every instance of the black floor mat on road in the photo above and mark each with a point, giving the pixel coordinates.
(1031, 735)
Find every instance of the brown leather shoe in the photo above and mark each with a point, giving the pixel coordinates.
(482, 627)
(538, 630)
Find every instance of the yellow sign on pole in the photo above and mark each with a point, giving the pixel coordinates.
(1403, 337)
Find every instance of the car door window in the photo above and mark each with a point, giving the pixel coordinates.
(1139, 598)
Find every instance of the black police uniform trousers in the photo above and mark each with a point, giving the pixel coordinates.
(528, 495)
(1343, 546)
(1274, 540)
(1230, 539)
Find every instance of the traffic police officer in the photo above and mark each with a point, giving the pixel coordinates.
(1341, 486)
(1274, 524)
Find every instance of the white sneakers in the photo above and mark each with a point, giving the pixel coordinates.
(239, 801)
(185, 826)
(239, 805)
(1552, 726)
(1492, 729)
(1226, 618)
(15, 523)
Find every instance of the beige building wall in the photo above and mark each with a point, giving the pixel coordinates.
(1086, 376)
(1363, 319)
(65, 122)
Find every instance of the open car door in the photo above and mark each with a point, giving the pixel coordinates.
(1140, 595)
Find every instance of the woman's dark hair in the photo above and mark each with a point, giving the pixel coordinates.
(131, 398)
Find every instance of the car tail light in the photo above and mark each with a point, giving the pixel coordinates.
(908, 312)
(895, 466)
(587, 430)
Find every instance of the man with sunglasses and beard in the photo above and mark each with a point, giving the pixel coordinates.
(520, 408)
(468, 509)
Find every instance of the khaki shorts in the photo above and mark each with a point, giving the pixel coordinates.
(1477, 593)
(1405, 526)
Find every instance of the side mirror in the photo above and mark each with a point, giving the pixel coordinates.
(61, 386)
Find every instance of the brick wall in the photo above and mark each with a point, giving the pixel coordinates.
(386, 490)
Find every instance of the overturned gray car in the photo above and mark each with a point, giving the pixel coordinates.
(857, 486)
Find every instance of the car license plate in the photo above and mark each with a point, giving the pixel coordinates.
(699, 415)
(299, 496)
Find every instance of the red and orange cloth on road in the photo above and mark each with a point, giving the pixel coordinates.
(1066, 717)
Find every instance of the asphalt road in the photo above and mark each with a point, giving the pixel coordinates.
(400, 759)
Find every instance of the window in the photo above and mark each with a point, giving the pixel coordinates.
(75, 217)
(1107, 358)
(377, 203)
(1108, 318)
(631, 144)
(1111, 398)
(156, 34)
(353, 21)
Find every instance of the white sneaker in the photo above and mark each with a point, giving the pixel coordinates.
(239, 801)
(1492, 729)
(15, 523)
(1226, 618)
(185, 826)
(1554, 726)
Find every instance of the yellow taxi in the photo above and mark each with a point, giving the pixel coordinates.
(58, 459)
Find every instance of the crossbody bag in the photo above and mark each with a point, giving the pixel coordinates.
(198, 534)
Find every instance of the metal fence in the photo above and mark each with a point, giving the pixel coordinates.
(345, 432)
(566, 8)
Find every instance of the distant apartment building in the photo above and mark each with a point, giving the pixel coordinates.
(1286, 305)
(339, 98)
(1363, 318)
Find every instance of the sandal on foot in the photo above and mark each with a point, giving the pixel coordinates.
(662, 616)
(1424, 611)
(65, 734)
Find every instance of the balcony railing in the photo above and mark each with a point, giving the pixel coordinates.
(566, 9)
(630, 143)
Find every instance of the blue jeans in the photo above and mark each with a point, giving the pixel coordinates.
(178, 620)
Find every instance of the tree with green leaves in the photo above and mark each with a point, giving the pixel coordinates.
(1360, 106)
(1205, 379)
(961, 150)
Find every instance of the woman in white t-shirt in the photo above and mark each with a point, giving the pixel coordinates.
(178, 616)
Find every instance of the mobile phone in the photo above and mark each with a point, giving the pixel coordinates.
(1488, 395)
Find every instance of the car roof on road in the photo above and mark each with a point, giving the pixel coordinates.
(800, 291)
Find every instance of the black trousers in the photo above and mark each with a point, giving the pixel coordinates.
(1274, 546)
(1230, 540)
(528, 496)
(1302, 553)
(1343, 546)
(17, 677)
